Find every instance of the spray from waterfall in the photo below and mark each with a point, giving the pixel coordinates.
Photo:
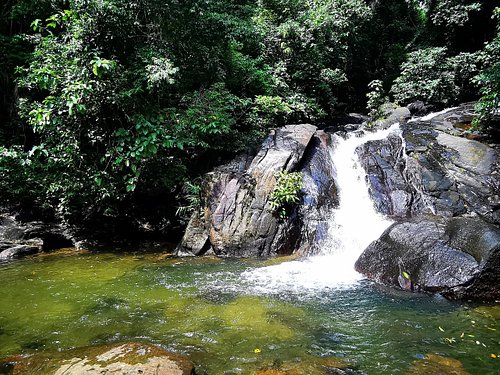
(352, 227)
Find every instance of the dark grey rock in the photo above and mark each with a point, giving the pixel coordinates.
(320, 193)
(429, 171)
(13, 250)
(456, 257)
(419, 108)
(392, 115)
(384, 162)
(433, 169)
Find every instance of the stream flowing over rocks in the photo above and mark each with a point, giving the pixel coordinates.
(441, 189)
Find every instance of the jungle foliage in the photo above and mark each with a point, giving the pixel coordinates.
(108, 104)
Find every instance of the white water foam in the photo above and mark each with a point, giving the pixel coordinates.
(430, 116)
(354, 225)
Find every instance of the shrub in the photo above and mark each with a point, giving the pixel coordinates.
(430, 75)
(376, 97)
(286, 192)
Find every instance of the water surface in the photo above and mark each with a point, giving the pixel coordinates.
(212, 311)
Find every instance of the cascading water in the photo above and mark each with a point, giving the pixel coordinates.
(353, 226)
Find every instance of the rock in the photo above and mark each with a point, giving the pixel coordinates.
(17, 251)
(434, 364)
(384, 163)
(419, 108)
(314, 366)
(320, 193)
(433, 180)
(123, 359)
(236, 219)
(458, 257)
(427, 170)
(392, 115)
(18, 239)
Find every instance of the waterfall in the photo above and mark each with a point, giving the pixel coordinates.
(352, 227)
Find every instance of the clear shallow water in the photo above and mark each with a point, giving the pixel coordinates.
(209, 310)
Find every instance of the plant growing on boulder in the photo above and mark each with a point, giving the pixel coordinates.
(286, 193)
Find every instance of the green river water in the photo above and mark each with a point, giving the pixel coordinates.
(203, 308)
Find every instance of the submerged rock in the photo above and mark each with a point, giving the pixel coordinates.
(434, 364)
(314, 366)
(123, 359)
(236, 218)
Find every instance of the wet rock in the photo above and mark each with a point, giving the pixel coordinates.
(314, 366)
(384, 163)
(392, 115)
(123, 359)
(11, 250)
(458, 257)
(320, 193)
(236, 219)
(432, 179)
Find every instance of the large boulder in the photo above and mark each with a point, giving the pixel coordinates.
(236, 218)
(443, 189)
(320, 193)
(458, 257)
(432, 168)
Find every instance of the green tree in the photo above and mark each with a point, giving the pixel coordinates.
(429, 74)
(489, 78)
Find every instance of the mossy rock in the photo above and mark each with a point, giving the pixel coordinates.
(123, 359)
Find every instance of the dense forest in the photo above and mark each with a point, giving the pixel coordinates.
(114, 108)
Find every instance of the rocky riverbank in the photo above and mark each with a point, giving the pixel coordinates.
(20, 238)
